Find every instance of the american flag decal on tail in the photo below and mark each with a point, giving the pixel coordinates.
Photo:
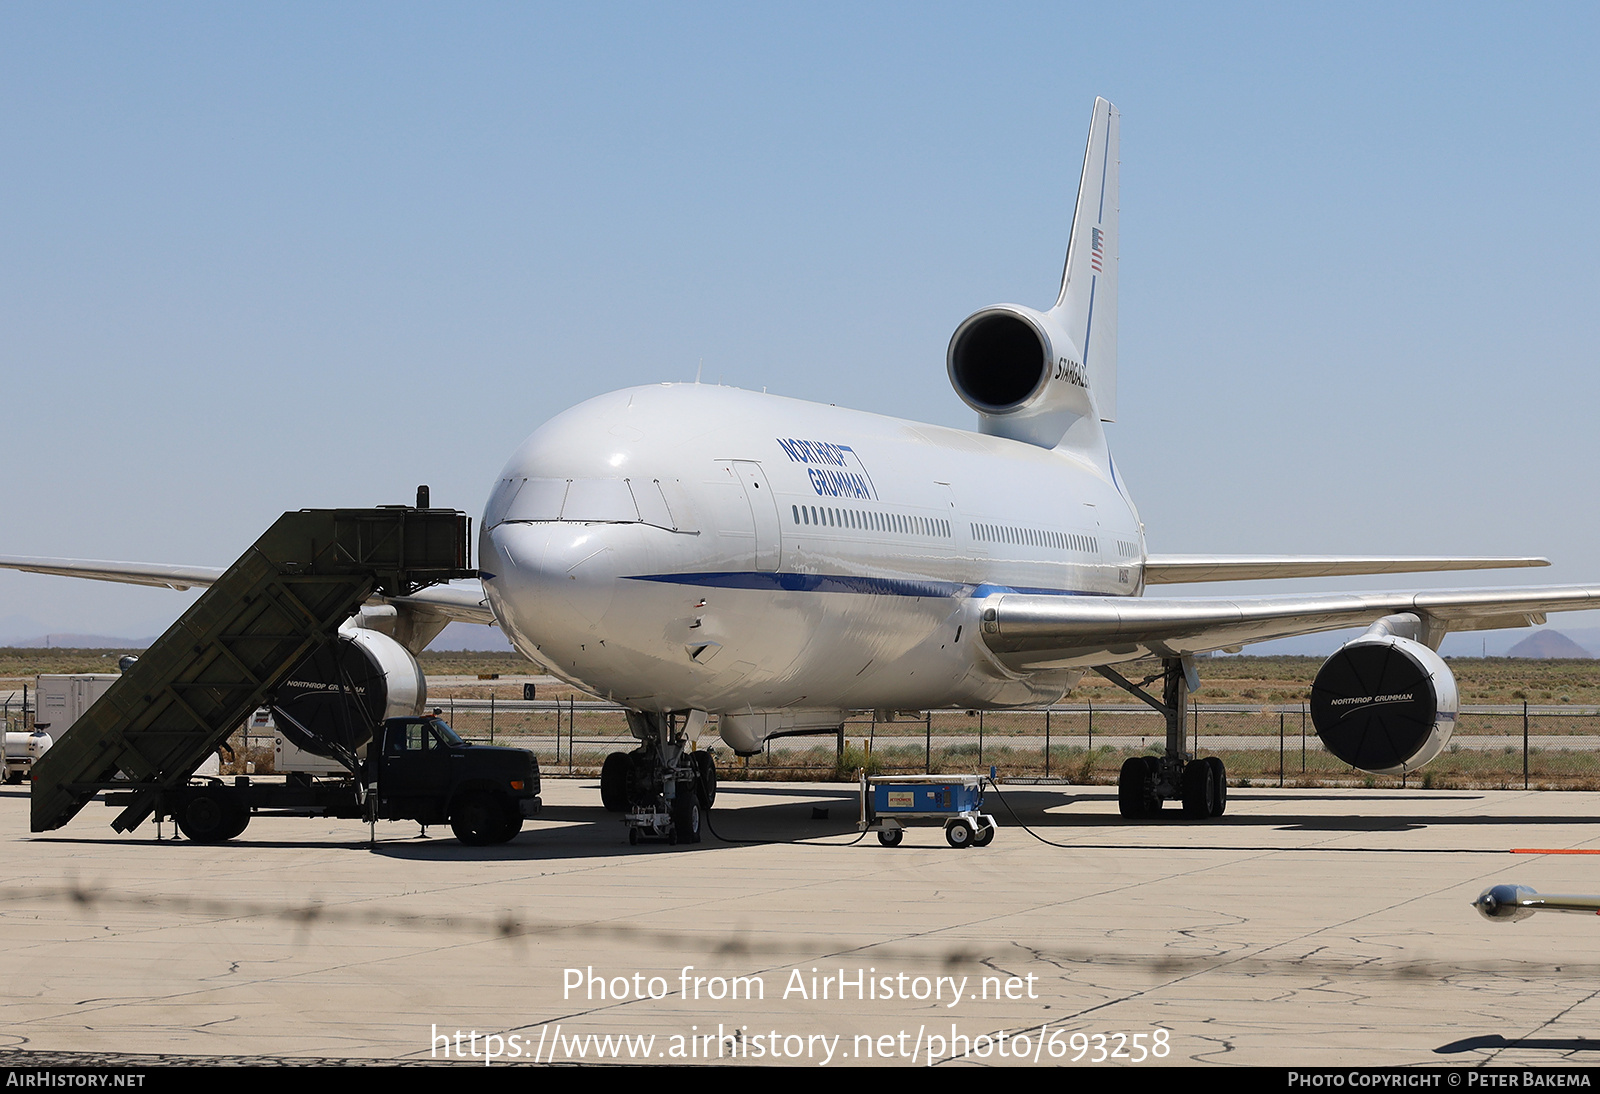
(1097, 249)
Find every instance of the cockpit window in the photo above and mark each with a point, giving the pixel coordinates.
(596, 501)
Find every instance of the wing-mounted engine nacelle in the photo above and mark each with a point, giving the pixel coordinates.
(334, 697)
(1385, 703)
(1021, 372)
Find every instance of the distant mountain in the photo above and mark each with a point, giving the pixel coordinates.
(67, 641)
(1547, 643)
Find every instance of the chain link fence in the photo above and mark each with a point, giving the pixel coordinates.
(1523, 746)
(1503, 747)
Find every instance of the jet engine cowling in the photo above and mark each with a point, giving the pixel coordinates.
(1384, 704)
(335, 696)
(1021, 372)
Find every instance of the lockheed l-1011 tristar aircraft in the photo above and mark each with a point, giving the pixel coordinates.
(690, 551)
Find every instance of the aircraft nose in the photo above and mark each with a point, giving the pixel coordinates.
(551, 575)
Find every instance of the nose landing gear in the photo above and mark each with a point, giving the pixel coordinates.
(661, 787)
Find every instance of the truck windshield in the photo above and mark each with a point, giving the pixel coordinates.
(443, 731)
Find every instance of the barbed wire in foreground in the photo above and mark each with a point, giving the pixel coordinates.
(511, 927)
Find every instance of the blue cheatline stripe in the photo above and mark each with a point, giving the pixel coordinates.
(847, 583)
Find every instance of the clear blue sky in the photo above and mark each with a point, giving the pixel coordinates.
(273, 256)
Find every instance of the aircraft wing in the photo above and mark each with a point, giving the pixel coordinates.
(127, 573)
(1173, 569)
(458, 601)
(1028, 631)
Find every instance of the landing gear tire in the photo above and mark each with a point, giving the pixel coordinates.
(479, 820)
(891, 837)
(614, 783)
(1152, 776)
(1219, 779)
(1136, 797)
(958, 833)
(705, 778)
(1130, 788)
(1199, 791)
(685, 819)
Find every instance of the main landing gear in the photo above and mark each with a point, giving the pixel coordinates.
(1146, 782)
(662, 787)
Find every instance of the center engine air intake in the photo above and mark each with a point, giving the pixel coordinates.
(1384, 704)
(998, 360)
(1020, 371)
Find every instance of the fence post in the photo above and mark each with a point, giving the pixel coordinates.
(1524, 744)
(1091, 729)
(491, 716)
(1047, 742)
(927, 733)
(1280, 749)
(1302, 737)
(980, 738)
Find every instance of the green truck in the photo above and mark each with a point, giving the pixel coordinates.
(414, 769)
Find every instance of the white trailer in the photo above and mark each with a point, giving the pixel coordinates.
(59, 700)
(62, 699)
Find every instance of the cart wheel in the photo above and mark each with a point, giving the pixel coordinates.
(958, 833)
(984, 837)
(891, 837)
(633, 837)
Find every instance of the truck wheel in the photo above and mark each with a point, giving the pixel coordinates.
(479, 819)
(705, 778)
(240, 821)
(210, 816)
(614, 783)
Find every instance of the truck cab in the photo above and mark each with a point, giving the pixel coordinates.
(420, 769)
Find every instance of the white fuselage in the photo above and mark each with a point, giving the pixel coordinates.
(686, 547)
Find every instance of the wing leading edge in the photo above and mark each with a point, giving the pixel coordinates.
(1176, 569)
(461, 601)
(1035, 632)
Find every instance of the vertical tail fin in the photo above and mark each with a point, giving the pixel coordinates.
(1087, 306)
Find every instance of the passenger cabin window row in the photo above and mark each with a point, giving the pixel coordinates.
(869, 520)
(1036, 537)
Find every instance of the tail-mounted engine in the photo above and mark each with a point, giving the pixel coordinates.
(1020, 371)
(1040, 376)
(1384, 703)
